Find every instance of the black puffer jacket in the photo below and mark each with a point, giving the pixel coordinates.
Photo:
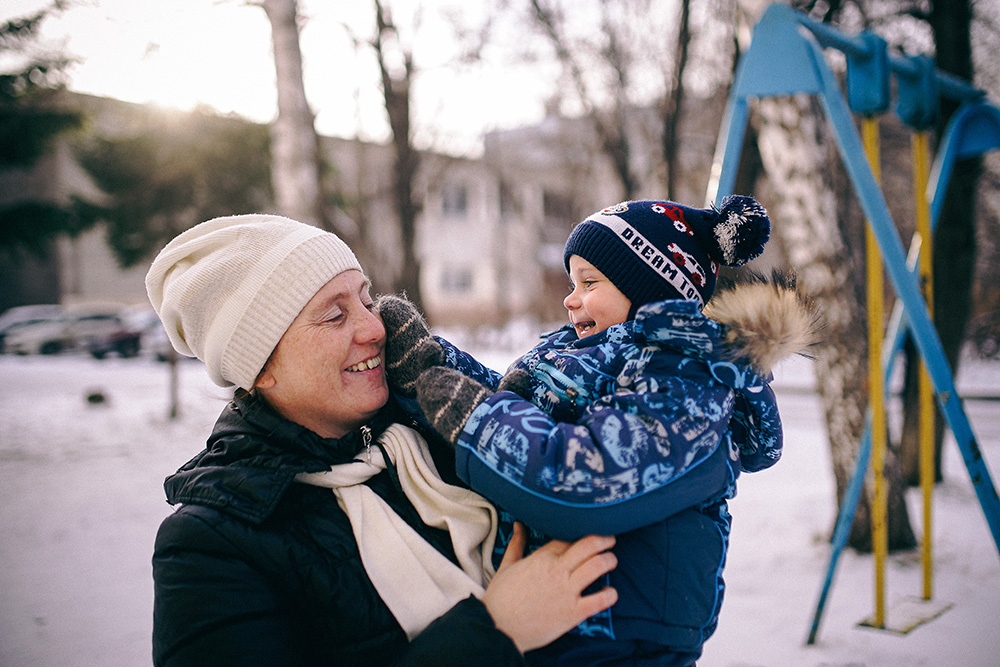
(255, 569)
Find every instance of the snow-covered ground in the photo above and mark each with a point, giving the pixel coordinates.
(81, 498)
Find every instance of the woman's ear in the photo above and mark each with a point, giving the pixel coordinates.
(265, 380)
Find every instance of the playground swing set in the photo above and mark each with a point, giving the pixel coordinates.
(786, 57)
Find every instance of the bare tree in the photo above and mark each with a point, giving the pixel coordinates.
(608, 70)
(954, 243)
(674, 101)
(788, 134)
(396, 69)
(949, 27)
(295, 159)
(610, 122)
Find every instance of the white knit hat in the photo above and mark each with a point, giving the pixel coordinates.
(228, 289)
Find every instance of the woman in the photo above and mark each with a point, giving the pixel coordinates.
(315, 529)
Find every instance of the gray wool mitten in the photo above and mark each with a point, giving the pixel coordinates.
(409, 346)
(448, 398)
(518, 381)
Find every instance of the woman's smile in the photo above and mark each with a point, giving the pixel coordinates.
(326, 372)
(366, 365)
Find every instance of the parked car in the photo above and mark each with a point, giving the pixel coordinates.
(156, 343)
(154, 339)
(42, 336)
(104, 334)
(97, 330)
(21, 315)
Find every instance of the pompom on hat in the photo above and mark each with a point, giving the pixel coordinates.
(655, 250)
(227, 290)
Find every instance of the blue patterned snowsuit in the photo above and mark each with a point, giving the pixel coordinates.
(639, 431)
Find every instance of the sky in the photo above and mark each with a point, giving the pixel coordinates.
(81, 497)
(184, 53)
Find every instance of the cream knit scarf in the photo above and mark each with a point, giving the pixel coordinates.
(415, 580)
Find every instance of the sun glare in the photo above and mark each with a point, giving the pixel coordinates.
(183, 54)
(179, 54)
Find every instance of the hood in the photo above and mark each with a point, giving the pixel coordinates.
(765, 319)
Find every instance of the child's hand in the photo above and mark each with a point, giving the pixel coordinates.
(409, 346)
(448, 398)
(518, 381)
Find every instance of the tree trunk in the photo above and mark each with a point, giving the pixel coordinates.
(396, 89)
(675, 102)
(954, 245)
(295, 170)
(611, 128)
(790, 145)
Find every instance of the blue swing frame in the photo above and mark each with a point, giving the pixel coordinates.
(786, 58)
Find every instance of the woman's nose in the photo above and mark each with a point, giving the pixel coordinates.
(370, 328)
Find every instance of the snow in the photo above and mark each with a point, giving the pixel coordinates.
(81, 498)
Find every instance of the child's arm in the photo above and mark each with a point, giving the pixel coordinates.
(630, 460)
(410, 349)
(756, 428)
(468, 365)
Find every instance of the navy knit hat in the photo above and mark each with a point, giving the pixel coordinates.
(655, 250)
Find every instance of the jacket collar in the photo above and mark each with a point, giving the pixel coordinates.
(253, 456)
(757, 323)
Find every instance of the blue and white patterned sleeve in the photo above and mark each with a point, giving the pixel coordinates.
(468, 365)
(630, 460)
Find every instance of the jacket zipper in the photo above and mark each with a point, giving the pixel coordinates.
(366, 439)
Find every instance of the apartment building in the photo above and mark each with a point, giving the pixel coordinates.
(489, 233)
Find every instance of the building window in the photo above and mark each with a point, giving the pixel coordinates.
(557, 207)
(454, 200)
(508, 202)
(456, 280)
(560, 217)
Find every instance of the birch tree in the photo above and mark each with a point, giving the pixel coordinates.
(949, 28)
(295, 159)
(816, 237)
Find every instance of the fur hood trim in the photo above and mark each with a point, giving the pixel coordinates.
(766, 319)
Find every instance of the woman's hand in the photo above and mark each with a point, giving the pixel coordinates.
(536, 599)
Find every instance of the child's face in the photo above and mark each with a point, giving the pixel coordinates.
(595, 303)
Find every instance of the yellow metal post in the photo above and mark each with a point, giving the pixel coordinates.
(926, 390)
(876, 309)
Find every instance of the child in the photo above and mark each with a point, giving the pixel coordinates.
(642, 413)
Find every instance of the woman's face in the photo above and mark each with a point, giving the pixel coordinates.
(595, 303)
(326, 372)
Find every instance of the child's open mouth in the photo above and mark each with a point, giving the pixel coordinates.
(584, 328)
